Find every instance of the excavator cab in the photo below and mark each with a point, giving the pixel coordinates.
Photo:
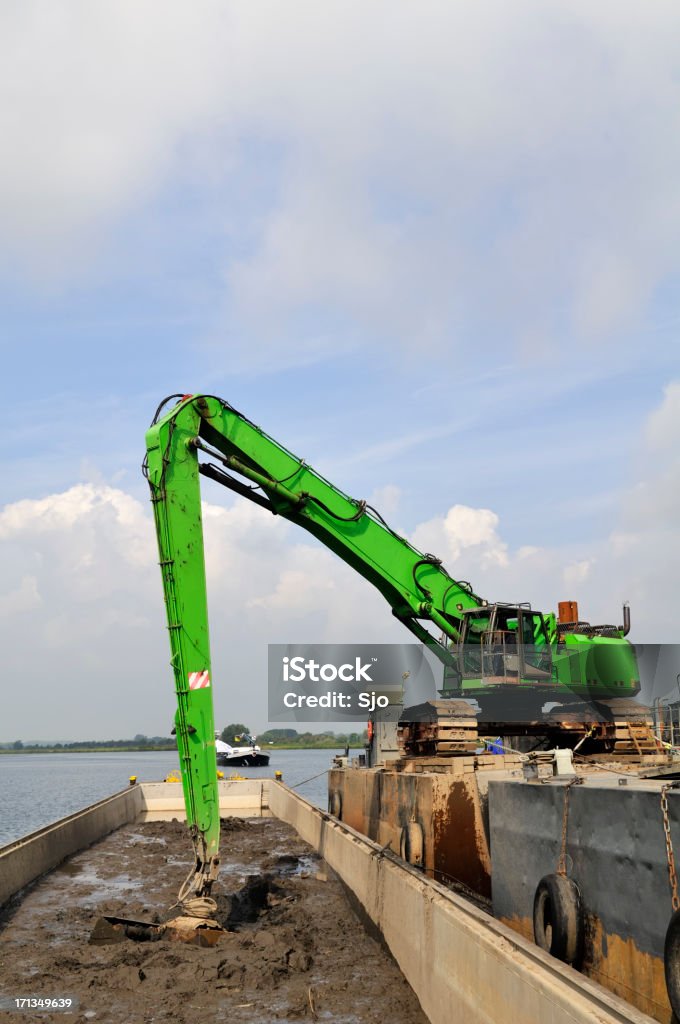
(502, 643)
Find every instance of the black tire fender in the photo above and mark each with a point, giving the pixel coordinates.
(671, 962)
(411, 844)
(559, 925)
(335, 804)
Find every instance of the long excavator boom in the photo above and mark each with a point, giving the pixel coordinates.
(205, 435)
(482, 646)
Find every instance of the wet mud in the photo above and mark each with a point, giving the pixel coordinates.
(294, 949)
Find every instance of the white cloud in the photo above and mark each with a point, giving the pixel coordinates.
(96, 99)
(652, 505)
(474, 155)
(663, 426)
(432, 164)
(82, 617)
(24, 598)
(577, 573)
(463, 528)
(300, 590)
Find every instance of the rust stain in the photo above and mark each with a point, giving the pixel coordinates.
(460, 846)
(618, 965)
(381, 804)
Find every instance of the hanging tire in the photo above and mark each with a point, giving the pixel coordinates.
(335, 804)
(411, 844)
(671, 962)
(558, 918)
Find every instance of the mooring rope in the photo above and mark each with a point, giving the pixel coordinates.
(304, 781)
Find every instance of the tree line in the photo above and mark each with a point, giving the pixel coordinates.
(235, 734)
(238, 733)
(139, 742)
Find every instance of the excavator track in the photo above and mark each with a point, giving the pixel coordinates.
(629, 731)
(439, 728)
(449, 727)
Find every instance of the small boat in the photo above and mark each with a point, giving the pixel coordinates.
(240, 757)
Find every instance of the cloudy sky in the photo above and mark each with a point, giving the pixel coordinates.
(433, 248)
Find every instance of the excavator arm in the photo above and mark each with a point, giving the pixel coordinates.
(204, 435)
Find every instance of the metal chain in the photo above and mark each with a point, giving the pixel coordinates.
(672, 877)
(562, 862)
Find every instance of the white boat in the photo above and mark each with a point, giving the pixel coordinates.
(240, 757)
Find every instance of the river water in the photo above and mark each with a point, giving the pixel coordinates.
(37, 789)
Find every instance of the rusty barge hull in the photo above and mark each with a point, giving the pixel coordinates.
(477, 825)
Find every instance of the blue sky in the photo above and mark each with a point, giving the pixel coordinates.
(434, 252)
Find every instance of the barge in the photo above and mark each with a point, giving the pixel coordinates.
(461, 962)
(495, 827)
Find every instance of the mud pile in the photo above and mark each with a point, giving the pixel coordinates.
(294, 950)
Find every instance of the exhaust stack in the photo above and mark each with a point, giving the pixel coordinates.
(625, 628)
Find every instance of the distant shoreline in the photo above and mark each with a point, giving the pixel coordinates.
(142, 749)
(85, 750)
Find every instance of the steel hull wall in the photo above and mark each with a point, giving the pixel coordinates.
(616, 854)
(461, 963)
(450, 810)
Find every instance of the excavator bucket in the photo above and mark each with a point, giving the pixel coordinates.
(198, 931)
(197, 926)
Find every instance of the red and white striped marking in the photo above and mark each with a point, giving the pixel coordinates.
(199, 680)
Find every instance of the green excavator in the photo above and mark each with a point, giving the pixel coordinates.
(499, 654)
(505, 657)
